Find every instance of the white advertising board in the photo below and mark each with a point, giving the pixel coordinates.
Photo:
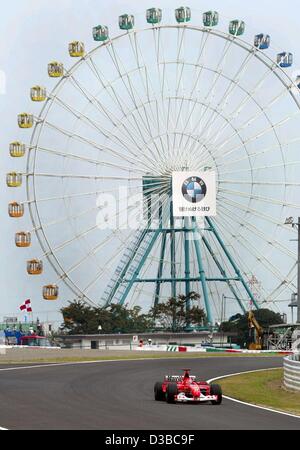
(194, 194)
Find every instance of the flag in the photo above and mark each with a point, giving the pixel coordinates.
(26, 306)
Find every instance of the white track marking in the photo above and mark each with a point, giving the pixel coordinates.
(251, 404)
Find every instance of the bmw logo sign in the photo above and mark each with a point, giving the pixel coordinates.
(194, 189)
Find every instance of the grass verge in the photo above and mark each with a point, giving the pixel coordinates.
(263, 388)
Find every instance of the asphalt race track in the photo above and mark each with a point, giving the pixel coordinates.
(119, 396)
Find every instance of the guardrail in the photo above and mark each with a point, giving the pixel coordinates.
(291, 369)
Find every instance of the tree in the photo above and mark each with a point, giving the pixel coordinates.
(173, 315)
(239, 324)
(80, 318)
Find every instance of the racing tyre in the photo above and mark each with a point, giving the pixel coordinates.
(158, 392)
(215, 389)
(171, 392)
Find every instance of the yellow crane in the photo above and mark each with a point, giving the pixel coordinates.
(258, 332)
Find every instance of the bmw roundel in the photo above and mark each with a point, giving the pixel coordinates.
(194, 189)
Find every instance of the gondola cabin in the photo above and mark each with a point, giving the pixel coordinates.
(183, 14)
(50, 292)
(210, 18)
(285, 59)
(126, 22)
(262, 41)
(100, 33)
(14, 180)
(237, 27)
(35, 267)
(38, 93)
(154, 16)
(55, 69)
(23, 239)
(25, 120)
(16, 210)
(17, 149)
(76, 49)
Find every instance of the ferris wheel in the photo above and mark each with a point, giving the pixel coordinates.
(154, 100)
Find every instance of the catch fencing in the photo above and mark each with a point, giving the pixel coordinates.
(291, 368)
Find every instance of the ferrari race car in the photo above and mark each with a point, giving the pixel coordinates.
(186, 388)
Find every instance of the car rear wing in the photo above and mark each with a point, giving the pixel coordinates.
(177, 378)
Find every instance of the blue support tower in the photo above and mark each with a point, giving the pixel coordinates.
(167, 236)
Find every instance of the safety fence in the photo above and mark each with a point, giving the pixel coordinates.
(291, 368)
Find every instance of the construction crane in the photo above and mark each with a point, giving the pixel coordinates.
(256, 343)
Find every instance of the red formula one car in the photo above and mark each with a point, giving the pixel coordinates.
(186, 388)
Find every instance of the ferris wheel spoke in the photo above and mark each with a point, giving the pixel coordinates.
(255, 169)
(146, 80)
(247, 209)
(108, 87)
(92, 253)
(179, 73)
(84, 233)
(250, 95)
(88, 177)
(126, 132)
(262, 111)
(63, 220)
(116, 121)
(260, 198)
(159, 49)
(88, 160)
(271, 128)
(208, 98)
(260, 257)
(112, 93)
(258, 233)
(97, 146)
(78, 195)
(95, 124)
(130, 90)
(260, 183)
(291, 285)
(234, 82)
(194, 147)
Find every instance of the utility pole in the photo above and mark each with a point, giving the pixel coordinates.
(298, 272)
(290, 221)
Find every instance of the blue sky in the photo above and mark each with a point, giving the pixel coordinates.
(36, 31)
